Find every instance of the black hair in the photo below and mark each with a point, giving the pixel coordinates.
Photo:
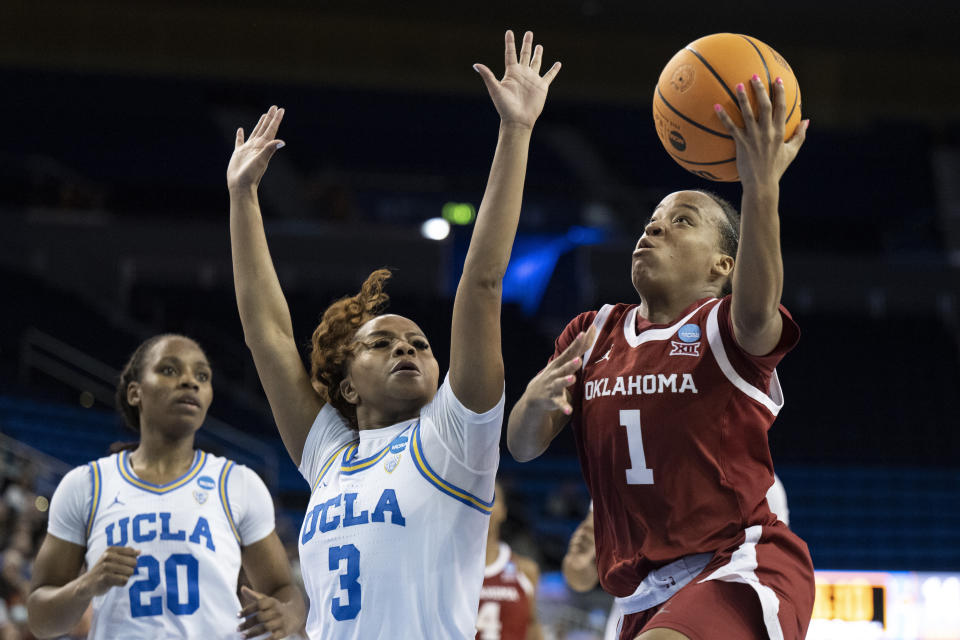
(133, 372)
(729, 229)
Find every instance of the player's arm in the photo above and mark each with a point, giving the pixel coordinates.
(545, 407)
(274, 605)
(530, 569)
(59, 596)
(762, 158)
(267, 328)
(579, 565)
(476, 361)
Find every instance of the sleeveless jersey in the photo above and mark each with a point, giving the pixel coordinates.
(504, 600)
(186, 580)
(394, 538)
(670, 423)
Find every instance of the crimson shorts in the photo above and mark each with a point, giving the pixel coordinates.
(760, 587)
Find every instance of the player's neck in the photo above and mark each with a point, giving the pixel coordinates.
(370, 418)
(159, 460)
(665, 307)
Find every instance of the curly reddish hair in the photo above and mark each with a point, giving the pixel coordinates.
(332, 341)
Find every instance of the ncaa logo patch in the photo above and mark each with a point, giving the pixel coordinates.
(206, 482)
(689, 333)
(398, 445)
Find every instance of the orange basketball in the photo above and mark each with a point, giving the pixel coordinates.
(702, 74)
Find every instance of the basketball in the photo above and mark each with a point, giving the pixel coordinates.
(702, 74)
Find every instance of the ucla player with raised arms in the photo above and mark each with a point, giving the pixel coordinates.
(163, 529)
(402, 472)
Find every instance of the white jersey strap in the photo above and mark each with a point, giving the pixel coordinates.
(96, 488)
(225, 500)
(774, 401)
(598, 322)
(431, 476)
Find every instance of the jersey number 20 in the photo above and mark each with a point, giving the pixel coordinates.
(171, 569)
(638, 473)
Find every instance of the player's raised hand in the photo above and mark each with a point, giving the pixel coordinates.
(265, 614)
(112, 569)
(520, 95)
(762, 155)
(251, 156)
(547, 390)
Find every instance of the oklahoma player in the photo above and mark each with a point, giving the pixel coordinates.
(508, 598)
(670, 401)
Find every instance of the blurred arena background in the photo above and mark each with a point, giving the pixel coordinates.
(118, 122)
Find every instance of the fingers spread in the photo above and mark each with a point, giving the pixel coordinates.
(271, 129)
(526, 48)
(727, 123)
(779, 103)
(258, 129)
(487, 76)
(537, 58)
(762, 97)
(510, 49)
(552, 73)
(746, 109)
(239, 141)
(799, 135)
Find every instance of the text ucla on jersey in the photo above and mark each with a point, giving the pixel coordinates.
(392, 544)
(186, 579)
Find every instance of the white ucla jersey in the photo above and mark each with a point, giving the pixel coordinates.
(189, 533)
(393, 541)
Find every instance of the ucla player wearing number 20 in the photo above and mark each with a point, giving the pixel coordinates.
(670, 401)
(402, 473)
(164, 529)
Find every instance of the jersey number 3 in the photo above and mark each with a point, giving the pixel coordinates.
(346, 608)
(638, 473)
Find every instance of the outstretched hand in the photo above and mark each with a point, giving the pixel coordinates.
(251, 157)
(762, 154)
(520, 95)
(547, 390)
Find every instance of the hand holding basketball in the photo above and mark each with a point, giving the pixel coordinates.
(251, 157)
(762, 153)
(520, 95)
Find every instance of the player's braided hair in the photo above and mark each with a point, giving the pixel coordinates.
(332, 341)
(133, 372)
(729, 231)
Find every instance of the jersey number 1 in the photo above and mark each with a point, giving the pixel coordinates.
(638, 473)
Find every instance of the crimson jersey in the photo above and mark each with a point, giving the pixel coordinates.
(505, 600)
(670, 423)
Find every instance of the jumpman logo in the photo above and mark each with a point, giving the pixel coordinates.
(606, 356)
(116, 500)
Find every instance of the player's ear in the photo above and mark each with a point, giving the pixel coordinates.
(133, 394)
(348, 391)
(722, 266)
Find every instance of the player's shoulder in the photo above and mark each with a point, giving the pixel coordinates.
(228, 469)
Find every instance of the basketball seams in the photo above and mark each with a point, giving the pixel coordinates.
(713, 71)
(690, 120)
(766, 68)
